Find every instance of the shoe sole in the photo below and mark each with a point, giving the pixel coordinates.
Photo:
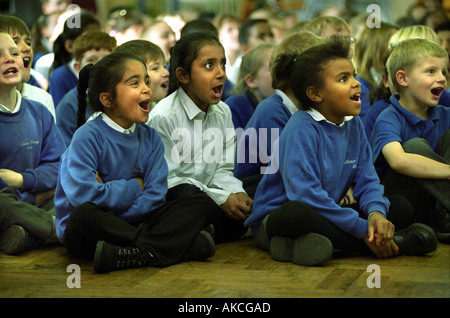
(14, 240)
(98, 257)
(307, 250)
(262, 239)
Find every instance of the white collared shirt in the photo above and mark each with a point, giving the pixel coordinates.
(40, 95)
(16, 109)
(199, 146)
(317, 116)
(111, 123)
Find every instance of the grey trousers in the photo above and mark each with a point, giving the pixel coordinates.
(423, 194)
(36, 219)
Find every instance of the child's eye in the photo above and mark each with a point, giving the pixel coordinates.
(208, 65)
(343, 79)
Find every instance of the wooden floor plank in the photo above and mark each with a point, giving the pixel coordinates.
(237, 270)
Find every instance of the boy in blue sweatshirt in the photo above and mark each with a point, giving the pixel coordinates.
(322, 152)
(30, 149)
(411, 137)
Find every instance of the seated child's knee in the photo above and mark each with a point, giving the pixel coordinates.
(417, 146)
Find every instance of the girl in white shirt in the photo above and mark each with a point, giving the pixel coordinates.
(198, 133)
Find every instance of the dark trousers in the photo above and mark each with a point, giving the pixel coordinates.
(423, 194)
(296, 218)
(226, 229)
(168, 231)
(37, 219)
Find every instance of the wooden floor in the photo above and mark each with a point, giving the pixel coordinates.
(237, 270)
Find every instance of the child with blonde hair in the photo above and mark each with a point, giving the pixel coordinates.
(411, 138)
(254, 84)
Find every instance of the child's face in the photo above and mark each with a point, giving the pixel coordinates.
(23, 42)
(204, 85)
(426, 81)
(258, 34)
(229, 34)
(11, 62)
(162, 35)
(263, 81)
(159, 79)
(91, 56)
(340, 93)
(133, 97)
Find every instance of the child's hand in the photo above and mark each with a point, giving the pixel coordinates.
(385, 250)
(379, 230)
(141, 183)
(12, 178)
(236, 208)
(97, 176)
(379, 236)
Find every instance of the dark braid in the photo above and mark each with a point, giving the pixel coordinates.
(83, 82)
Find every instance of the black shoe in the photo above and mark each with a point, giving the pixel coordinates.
(203, 246)
(416, 239)
(109, 257)
(440, 222)
(15, 239)
(262, 239)
(308, 250)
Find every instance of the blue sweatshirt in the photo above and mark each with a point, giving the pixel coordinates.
(61, 81)
(31, 144)
(118, 158)
(317, 163)
(271, 115)
(66, 115)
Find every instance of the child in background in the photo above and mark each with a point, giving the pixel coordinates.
(193, 108)
(30, 148)
(254, 84)
(322, 152)
(228, 29)
(63, 76)
(370, 50)
(21, 35)
(251, 33)
(88, 49)
(273, 112)
(125, 25)
(411, 138)
(160, 33)
(443, 33)
(154, 59)
(110, 197)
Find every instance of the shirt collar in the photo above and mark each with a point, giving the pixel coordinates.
(410, 117)
(111, 123)
(287, 101)
(16, 109)
(192, 110)
(317, 116)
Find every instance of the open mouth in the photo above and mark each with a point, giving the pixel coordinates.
(437, 91)
(165, 85)
(26, 62)
(144, 105)
(217, 91)
(356, 97)
(10, 71)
